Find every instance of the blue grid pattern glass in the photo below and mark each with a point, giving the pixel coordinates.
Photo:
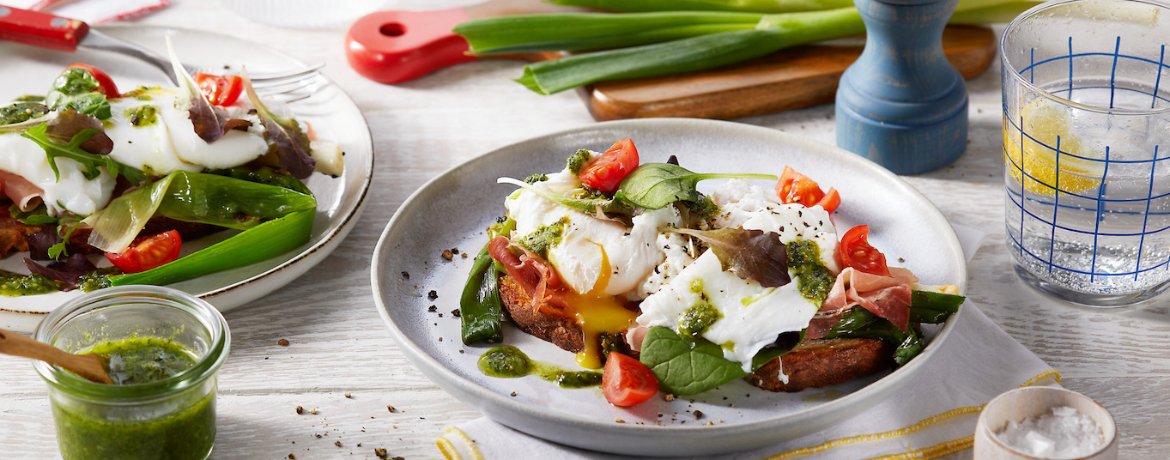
(1087, 174)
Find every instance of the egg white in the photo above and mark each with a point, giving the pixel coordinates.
(168, 145)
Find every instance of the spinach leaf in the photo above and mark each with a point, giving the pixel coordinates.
(656, 185)
(933, 307)
(750, 254)
(73, 151)
(74, 89)
(686, 366)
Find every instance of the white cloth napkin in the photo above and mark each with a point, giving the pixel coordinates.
(931, 417)
(92, 11)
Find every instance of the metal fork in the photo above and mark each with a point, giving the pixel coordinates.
(268, 84)
(63, 34)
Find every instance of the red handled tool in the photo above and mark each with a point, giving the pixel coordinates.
(396, 46)
(41, 29)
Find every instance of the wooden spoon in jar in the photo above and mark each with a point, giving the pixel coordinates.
(91, 367)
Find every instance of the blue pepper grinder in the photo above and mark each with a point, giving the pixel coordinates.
(902, 104)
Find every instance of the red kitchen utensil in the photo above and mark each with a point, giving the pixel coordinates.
(41, 29)
(396, 46)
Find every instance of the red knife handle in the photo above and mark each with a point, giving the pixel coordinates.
(41, 29)
(396, 46)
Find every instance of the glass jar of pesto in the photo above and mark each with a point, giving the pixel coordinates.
(165, 348)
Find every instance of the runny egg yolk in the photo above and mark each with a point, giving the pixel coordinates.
(597, 313)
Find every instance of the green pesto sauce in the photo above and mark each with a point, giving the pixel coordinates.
(705, 208)
(30, 98)
(141, 93)
(21, 112)
(698, 318)
(545, 237)
(187, 434)
(139, 360)
(536, 178)
(144, 115)
(95, 431)
(506, 361)
(578, 160)
(98, 279)
(15, 285)
(812, 277)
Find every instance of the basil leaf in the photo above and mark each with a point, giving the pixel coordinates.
(933, 307)
(750, 254)
(657, 185)
(74, 89)
(686, 366)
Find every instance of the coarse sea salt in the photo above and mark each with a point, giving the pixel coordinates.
(1063, 433)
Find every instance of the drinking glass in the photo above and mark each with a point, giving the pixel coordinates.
(1086, 120)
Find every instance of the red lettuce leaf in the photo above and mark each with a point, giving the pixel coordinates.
(69, 272)
(750, 254)
(211, 122)
(291, 142)
(70, 123)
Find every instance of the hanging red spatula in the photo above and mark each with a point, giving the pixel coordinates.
(396, 46)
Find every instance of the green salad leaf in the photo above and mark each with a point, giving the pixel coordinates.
(750, 254)
(74, 89)
(73, 151)
(657, 185)
(589, 205)
(687, 366)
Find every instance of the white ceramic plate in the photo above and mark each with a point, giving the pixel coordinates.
(28, 70)
(453, 210)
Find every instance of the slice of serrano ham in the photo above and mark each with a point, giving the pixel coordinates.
(20, 191)
(885, 296)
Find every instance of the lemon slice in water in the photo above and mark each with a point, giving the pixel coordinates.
(1043, 122)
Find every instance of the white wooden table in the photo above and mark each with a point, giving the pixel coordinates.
(339, 346)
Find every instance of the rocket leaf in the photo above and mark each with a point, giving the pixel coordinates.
(750, 254)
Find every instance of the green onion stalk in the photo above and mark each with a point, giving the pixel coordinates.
(660, 42)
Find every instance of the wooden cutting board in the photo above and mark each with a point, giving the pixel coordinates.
(410, 44)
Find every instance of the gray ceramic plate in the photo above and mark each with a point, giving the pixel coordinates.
(28, 70)
(453, 209)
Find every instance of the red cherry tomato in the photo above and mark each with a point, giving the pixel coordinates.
(857, 253)
(105, 83)
(220, 90)
(606, 173)
(795, 187)
(626, 382)
(148, 252)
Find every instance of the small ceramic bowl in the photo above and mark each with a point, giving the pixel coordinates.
(1024, 403)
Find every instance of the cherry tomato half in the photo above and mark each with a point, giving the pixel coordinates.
(606, 173)
(220, 90)
(148, 252)
(795, 187)
(626, 382)
(856, 252)
(105, 83)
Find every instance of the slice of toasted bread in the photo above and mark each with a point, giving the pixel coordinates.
(813, 364)
(551, 325)
(824, 362)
